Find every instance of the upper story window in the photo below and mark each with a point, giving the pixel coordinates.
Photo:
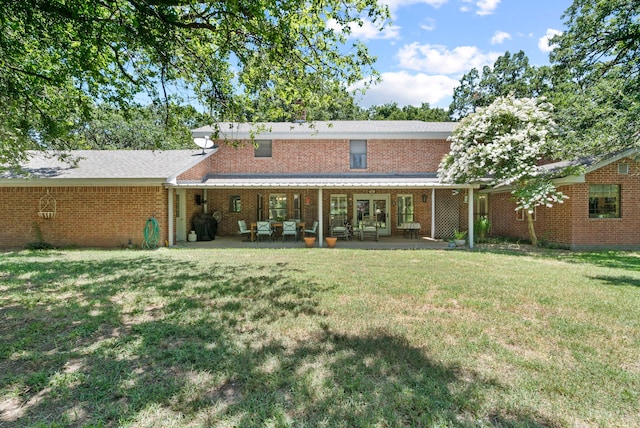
(604, 201)
(358, 154)
(262, 149)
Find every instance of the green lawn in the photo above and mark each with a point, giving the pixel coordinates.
(318, 337)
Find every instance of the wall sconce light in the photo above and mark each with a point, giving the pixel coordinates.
(198, 199)
(424, 197)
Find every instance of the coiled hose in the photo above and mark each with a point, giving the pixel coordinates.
(151, 234)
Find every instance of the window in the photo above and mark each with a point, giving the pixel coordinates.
(235, 205)
(277, 206)
(405, 209)
(262, 149)
(521, 214)
(358, 154)
(338, 206)
(604, 201)
(297, 212)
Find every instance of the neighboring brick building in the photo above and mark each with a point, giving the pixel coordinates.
(385, 171)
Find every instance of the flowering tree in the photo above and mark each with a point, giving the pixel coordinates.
(503, 143)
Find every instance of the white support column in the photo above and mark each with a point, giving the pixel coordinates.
(170, 192)
(433, 213)
(470, 211)
(320, 233)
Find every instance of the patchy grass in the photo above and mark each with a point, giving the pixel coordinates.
(311, 337)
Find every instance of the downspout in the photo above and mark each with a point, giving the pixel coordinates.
(170, 192)
(320, 219)
(470, 211)
(433, 213)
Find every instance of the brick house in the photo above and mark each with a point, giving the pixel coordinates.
(381, 170)
(602, 212)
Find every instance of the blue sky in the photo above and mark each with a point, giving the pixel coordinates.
(431, 44)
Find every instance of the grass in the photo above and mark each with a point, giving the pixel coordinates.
(312, 337)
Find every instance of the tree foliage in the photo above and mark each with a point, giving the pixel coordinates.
(142, 127)
(596, 61)
(504, 143)
(391, 111)
(58, 58)
(510, 75)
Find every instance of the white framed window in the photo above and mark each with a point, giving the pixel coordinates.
(405, 209)
(604, 201)
(358, 154)
(277, 206)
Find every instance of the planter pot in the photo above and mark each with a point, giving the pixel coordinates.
(331, 241)
(459, 242)
(309, 241)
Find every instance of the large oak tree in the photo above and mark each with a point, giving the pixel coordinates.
(60, 58)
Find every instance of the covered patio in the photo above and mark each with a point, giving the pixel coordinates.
(384, 243)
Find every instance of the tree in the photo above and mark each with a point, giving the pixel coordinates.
(503, 143)
(597, 62)
(510, 75)
(391, 111)
(60, 58)
(144, 127)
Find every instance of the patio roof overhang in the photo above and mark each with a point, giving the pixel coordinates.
(321, 181)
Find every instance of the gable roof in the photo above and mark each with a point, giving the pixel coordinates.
(338, 129)
(149, 166)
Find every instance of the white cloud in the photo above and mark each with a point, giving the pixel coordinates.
(429, 24)
(543, 42)
(499, 37)
(437, 59)
(407, 89)
(368, 31)
(486, 7)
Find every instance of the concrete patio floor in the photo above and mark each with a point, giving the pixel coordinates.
(384, 243)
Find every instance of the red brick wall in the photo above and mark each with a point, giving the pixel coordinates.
(105, 217)
(322, 156)
(569, 224)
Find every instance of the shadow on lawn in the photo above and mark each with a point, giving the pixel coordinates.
(124, 341)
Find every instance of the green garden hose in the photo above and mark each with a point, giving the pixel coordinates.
(151, 234)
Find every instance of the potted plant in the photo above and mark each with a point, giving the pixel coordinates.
(309, 241)
(459, 237)
(482, 227)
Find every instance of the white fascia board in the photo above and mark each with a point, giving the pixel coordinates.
(78, 182)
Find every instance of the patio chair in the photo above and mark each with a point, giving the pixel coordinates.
(263, 228)
(340, 229)
(244, 230)
(313, 230)
(368, 229)
(289, 228)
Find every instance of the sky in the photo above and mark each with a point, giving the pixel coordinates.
(431, 44)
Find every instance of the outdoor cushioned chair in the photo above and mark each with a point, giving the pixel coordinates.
(368, 230)
(313, 230)
(263, 228)
(289, 228)
(339, 229)
(244, 230)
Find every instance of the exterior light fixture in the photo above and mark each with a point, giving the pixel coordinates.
(424, 197)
